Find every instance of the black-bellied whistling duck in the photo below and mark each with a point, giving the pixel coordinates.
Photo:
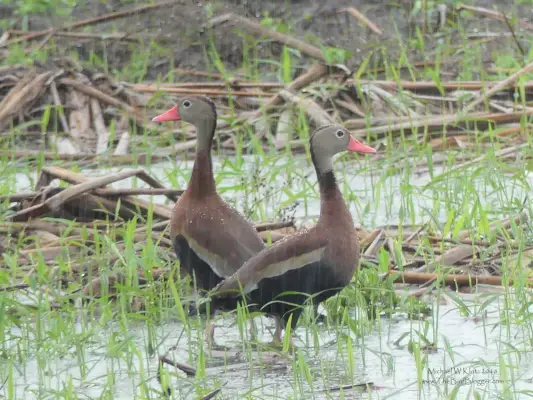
(211, 239)
(319, 261)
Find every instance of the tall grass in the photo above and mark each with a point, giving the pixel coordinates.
(107, 347)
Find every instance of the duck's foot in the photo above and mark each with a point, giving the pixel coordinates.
(278, 344)
(209, 334)
(277, 340)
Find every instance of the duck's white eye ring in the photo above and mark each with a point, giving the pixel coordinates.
(339, 133)
(187, 104)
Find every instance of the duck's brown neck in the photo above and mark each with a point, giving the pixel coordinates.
(202, 182)
(333, 208)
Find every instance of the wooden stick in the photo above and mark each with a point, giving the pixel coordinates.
(159, 210)
(211, 75)
(100, 36)
(92, 21)
(492, 14)
(442, 121)
(222, 85)
(311, 108)
(15, 197)
(190, 371)
(126, 159)
(420, 278)
(53, 203)
(209, 92)
(354, 12)
(425, 85)
(154, 183)
(500, 153)
(498, 87)
(259, 30)
(314, 73)
(25, 91)
(57, 102)
(140, 191)
(18, 196)
(97, 94)
(270, 226)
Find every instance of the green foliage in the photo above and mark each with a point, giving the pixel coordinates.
(29, 7)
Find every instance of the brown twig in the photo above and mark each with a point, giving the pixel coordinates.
(100, 36)
(508, 23)
(24, 92)
(209, 92)
(99, 95)
(188, 370)
(271, 226)
(498, 87)
(211, 75)
(491, 14)
(54, 202)
(258, 29)
(314, 73)
(117, 160)
(93, 21)
(429, 85)
(419, 278)
(194, 85)
(311, 108)
(354, 12)
(441, 122)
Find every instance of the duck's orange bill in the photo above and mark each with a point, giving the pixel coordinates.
(358, 147)
(170, 115)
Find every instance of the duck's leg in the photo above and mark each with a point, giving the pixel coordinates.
(209, 333)
(252, 330)
(277, 339)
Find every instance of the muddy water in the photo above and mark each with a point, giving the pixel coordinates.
(472, 346)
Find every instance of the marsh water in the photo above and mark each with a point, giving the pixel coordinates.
(473, 353)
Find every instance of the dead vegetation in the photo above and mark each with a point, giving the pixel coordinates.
(87, 115)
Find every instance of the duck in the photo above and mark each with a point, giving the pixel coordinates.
(317, 262)
(211, 239)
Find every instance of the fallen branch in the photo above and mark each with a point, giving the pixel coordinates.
(316, 72)
(420, 278)
(354, 12)
(441, 122)
(498, 87)
(310, 107)
(430, 85)
(24, 92)
(492, 14)
(259, 30)
(271, 226)
(92, 21)
(105, 159)
(207, 92)
(195, 85)
(54, 202)
(97, 94)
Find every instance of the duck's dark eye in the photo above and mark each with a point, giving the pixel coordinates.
(339, 134)
(187, 104)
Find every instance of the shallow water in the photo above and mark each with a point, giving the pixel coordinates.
(400, 199)
(472, 346)
(475, 346)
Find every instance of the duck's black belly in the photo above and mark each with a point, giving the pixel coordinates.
(317, 280)
(205, 277)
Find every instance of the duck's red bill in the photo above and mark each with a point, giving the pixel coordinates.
(358, 147)
(170, 115)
